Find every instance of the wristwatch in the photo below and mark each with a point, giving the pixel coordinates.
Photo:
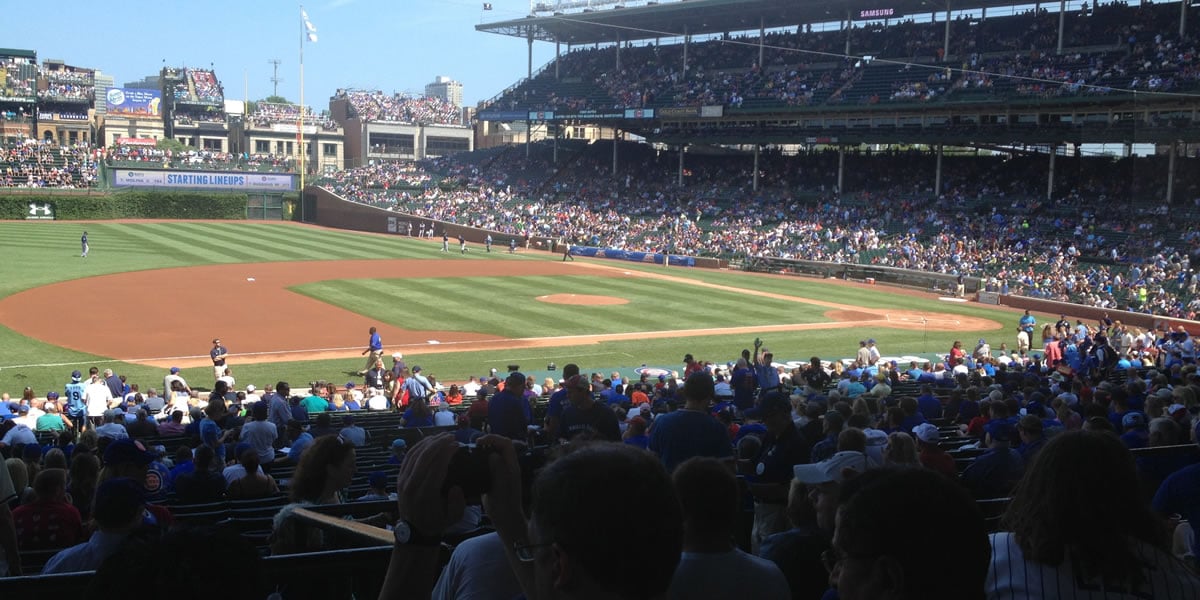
(407, 535)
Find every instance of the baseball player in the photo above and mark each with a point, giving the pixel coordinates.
(445, 242)
(462, 244)
(84, 243)
(487, 243)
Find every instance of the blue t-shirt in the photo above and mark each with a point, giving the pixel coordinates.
(509, 415)
(411, 421)
(376, 342)
(302, 441)
(929, 406)
(1180, 494)
(680, 435)
(210, 432)
(74, 394)
(555, 407)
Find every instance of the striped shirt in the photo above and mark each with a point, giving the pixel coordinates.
(1011, 576)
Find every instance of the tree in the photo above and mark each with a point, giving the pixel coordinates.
(172, 145)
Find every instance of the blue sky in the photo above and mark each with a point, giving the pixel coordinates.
(392, 45)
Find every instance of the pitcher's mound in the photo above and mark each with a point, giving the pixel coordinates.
(582, 299)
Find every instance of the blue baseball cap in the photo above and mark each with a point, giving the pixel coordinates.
(76, 375)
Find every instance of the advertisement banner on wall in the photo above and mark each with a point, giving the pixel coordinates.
(203, 180)
(133, 102)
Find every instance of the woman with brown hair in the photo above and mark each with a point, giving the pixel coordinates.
(326, 468)
(1078, 526)
(901, 450)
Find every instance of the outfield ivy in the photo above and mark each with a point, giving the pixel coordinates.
(134, 204)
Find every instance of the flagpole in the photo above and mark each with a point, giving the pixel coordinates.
(300, 129)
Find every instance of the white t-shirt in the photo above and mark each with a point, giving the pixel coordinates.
(470, 390)
(1010, 575)
(235, 472)
(97, 396)
(732, 574)
(443, 418)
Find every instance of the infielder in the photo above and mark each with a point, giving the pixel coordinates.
(83, 242)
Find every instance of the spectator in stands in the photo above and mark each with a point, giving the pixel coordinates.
(173, 425)
(682, 434)
(417, 415)
(783, 448)
(376, 488)
(1136, 430)
(300, 440)
(113, 427)
(53, 420)
(48, 522)
(994, 473)
(81, 484)
(1033, 438)
(881, 547)
(556, 404)
(255, 484)
(901, 450)
(260, 433)
(711, 566)
(1052, 546)
(508, 413)
(932, 455)
(832, 424)
(10, 558)
(118, 512)
(399, 448)
(143, 427)
(323, 425)
(322, 476)
(13, 434)
(351, 432)
(584, 418)
(1179, 494)
(202, 485)
(175, 556)
(635, 435)
(315, 402)
(572, 521)
(280, 411)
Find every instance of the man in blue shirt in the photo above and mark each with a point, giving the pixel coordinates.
(558, 399)
(1179, 497)
(768, 375)
(76, 407)
(374, 350)
(508, 411)
(1027, 323)
(690, 431)
(994, 473)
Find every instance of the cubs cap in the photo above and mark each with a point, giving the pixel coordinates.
(76, 376)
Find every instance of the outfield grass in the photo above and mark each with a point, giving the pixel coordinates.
(41, 253)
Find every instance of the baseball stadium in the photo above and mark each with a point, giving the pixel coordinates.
(754, 264)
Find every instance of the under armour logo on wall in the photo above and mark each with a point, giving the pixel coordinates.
(45, 210)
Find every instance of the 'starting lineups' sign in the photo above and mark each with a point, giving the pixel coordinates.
(208, 180)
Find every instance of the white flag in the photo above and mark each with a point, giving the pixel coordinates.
(303, 15)
(312, 37)
(309, 27)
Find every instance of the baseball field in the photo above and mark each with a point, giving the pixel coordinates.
(294, 302)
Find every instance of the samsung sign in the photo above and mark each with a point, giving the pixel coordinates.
(206, 180)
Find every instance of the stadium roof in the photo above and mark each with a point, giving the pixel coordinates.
(699, 17)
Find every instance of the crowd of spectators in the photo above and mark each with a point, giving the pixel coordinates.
(984, 223)
(20, 77)
(843, 465)
(270, 113)
(375, 106)
(208, 89)
(35, 164)
(1111, 47)
(196, 159)
(67, 84)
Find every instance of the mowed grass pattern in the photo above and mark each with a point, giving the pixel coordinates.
(508, 306)
(40, 253)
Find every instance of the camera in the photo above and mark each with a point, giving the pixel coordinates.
(470, 471)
